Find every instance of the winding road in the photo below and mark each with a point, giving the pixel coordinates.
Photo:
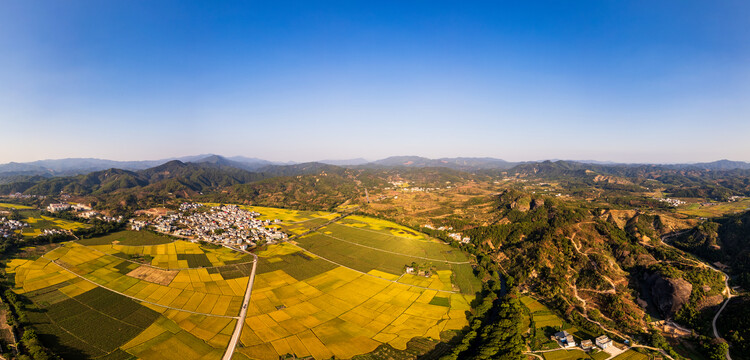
(727, 290)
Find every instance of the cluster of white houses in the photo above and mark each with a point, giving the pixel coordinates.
(58, 207)
(18, 195)
(226, 224)
(566, 340)
(82, 211)
(455, 236)
(673, 202)
(8, 227)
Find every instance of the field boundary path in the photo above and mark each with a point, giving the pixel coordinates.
(243, 311)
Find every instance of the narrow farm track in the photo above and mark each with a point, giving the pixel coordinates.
(133, 297)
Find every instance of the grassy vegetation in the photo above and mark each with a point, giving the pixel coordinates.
(464, 278)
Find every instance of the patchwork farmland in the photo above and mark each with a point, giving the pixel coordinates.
(340, 291)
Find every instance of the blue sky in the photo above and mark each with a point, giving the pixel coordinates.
(636, 81)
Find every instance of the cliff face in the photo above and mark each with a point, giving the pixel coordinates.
(669, 295)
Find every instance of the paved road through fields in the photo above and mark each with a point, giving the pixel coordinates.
(243, 312)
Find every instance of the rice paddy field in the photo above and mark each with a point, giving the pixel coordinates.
(142, 295)
(715, 209)
(164, 252)
(14, 206)
(338, 311)
(542, 323)
(566, 355)
(37, 224)
(293, 222)
(631, 355)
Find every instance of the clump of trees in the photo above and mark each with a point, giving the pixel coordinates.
(31, 347)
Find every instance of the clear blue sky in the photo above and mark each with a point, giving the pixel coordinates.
(634, 81)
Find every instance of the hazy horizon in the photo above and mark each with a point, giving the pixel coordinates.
(635, 82)
(370, 160)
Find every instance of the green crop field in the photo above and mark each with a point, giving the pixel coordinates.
(544, 321)
(717, 210)
(565, 355)
(631, 355)
(101, 321)
(129, 238)
(418, 247)
(361, 258)
(38, 223)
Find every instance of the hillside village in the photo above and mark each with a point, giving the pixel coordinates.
(225, 224)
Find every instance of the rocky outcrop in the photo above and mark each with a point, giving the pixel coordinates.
(669, 295)
(535, 203)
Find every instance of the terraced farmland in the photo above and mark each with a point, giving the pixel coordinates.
(154, 298)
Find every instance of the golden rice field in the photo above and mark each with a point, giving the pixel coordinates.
(380, 225)
(194, 290)
(168, 255)
(38, 224)
(14, 206)
(285, 215)
(191, 295)
(196, 309)
(343, 313)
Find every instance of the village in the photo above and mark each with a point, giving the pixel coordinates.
(224, 225)
(81, 211)
(8, 227)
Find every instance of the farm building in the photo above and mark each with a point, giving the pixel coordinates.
(603, 342)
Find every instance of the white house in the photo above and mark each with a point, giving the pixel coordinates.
(603, 342)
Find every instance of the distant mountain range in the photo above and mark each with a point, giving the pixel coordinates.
(75, 166)
(67, 167)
